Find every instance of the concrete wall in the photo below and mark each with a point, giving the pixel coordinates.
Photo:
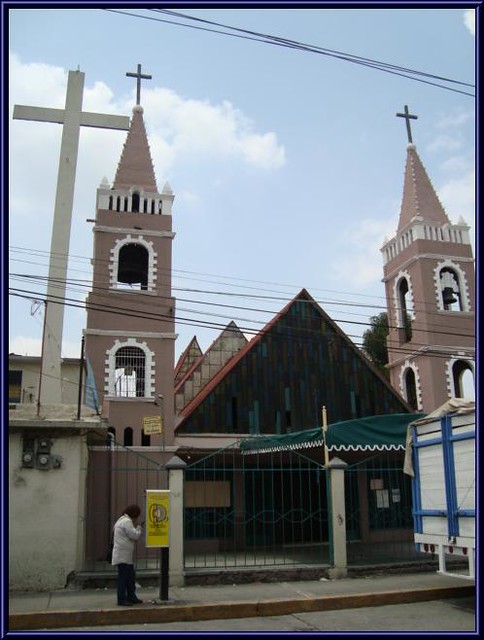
(47, 507)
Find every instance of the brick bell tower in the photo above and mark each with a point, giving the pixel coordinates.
(430, 293)
(129, 339)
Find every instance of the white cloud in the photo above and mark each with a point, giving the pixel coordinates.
(40, 82)
(179, 129)
(458, 199)
(455, 164)
(362, 263)
(194, 127)
(26, 346)
(455, 120)
(444, 143)
(470, 20)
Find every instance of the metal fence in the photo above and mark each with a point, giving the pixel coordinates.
(116, 477)
(258, 510)
(255, 510)
(379, 511)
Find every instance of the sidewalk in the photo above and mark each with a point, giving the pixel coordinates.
(97, 607)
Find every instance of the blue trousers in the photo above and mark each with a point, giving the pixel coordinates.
(126, 583)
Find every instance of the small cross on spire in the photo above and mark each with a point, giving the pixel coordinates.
(139, 76)
(407, 117)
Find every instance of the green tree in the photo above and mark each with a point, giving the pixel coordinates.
(375, 341)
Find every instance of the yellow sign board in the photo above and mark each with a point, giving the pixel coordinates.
(152, 425)
(157, 518)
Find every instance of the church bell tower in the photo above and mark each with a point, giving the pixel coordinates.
(131, 312)
(429, 284)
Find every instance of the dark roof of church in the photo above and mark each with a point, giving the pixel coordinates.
(300, 358)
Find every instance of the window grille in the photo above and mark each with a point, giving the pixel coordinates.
(129, 373)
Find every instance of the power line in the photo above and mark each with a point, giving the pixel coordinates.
(86, 286)
(292, 44)
(316, 49)
(232, 281)
(151, 301)
(155, 315)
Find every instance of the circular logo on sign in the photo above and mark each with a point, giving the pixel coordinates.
(158, 513)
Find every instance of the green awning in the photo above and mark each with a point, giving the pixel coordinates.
(376, 433)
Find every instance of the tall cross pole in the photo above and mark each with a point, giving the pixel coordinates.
(72, 118)
(139, 76)
(407, 117)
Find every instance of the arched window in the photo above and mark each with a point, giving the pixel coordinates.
(405, 319)
(135, 202)
(411, 388)
(110, 205)
(450, 289)
(129, 372)
(145, 439)
(133, 265)
(111, 436)
(128, 437)
(118, 203)
(463, 378)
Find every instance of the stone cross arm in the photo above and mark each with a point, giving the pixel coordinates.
(42, 114)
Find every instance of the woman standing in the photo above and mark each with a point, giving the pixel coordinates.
(126, 532)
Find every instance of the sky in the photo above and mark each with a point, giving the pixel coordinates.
(287, 165)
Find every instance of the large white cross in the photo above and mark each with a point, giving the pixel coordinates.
(72, 118)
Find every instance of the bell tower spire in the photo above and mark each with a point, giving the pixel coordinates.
(429, 284)
(131, 311)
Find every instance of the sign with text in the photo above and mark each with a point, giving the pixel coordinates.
(152, 425)
(157, 518)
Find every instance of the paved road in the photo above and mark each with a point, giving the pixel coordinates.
(457, 614)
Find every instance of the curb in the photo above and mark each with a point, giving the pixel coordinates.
(225, 610)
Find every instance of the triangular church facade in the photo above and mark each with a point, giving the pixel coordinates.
(278, 383)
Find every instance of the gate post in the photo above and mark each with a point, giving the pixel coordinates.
(176, 468)
(336, 470)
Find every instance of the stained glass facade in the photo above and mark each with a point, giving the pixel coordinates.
(300, 362)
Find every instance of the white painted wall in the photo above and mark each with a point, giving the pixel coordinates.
(46, 510)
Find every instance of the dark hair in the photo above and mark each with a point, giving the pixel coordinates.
(132, 511)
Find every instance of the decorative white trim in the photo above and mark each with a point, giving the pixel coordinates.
(403, 387)
(463, 286)
(123, 230)
(110, 366)
(449, 375)
(332, 449)
(418, 229)
(114, 260)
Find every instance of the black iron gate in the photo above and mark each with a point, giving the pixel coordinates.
(378, 498)
(116, 477)
(255, 510)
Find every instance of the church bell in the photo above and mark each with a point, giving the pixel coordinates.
(448, 295)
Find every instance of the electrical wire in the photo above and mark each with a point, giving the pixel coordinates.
(147, 315)
(421, 305)
(285, 42)
(151, 302)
